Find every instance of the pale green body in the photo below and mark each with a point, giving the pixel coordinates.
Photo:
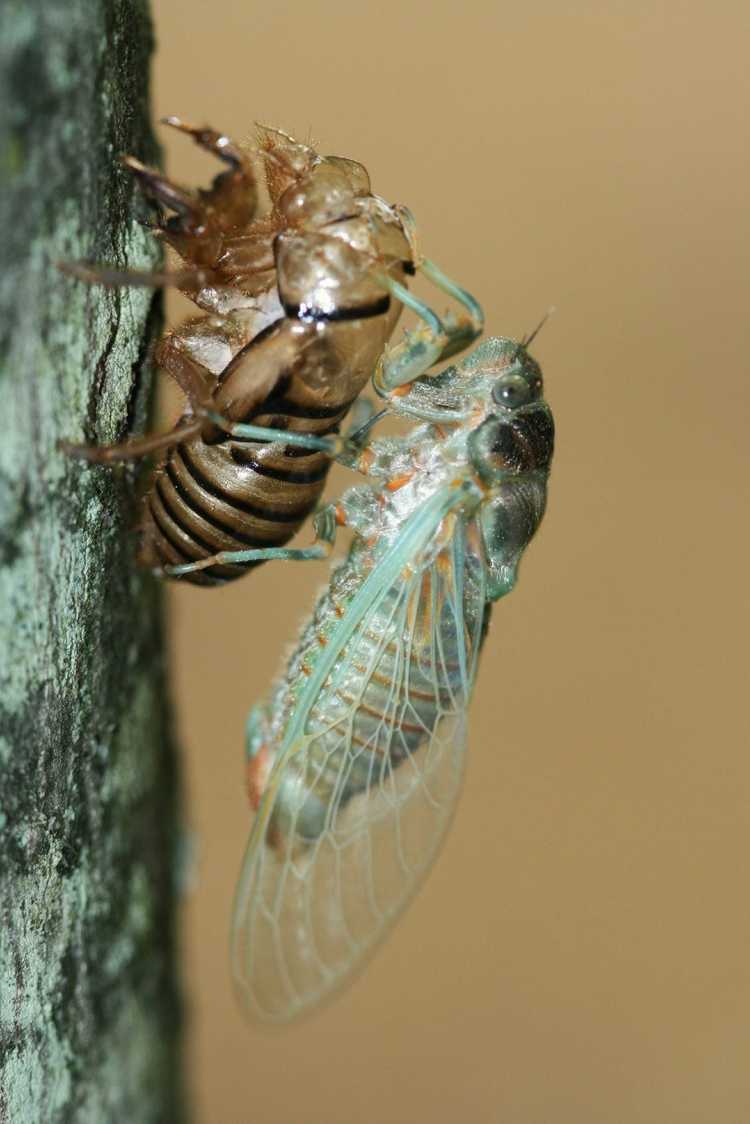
(365, 733)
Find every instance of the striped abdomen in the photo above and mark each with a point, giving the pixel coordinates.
(234, 496)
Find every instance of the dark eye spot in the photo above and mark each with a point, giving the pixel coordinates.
(512, 391)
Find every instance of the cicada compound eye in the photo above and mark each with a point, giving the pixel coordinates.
(515, 390)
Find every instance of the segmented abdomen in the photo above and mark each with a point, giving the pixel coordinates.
(234, 496)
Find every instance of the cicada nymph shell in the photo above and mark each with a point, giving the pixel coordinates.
(282, 255)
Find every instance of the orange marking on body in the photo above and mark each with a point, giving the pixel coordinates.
(365, 461)
(360, 705)
(444, 565)
(258, 769)
(305, 669)
(340, 516)
(322, 640)
(393, 647)
(386, 682)
(399, 481)
(401, 391)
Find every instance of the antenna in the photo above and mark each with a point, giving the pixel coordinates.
(529, 339)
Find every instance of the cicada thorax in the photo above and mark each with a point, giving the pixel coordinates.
(295, 322)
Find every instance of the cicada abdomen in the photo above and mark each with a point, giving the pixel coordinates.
(295, 317)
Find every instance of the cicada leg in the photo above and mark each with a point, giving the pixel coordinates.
(188, 280)
(229, 204)
(331, 445)
(435, 340)
(345, 449)
(364, 417)
(325, 522)
(461, 331)
(219, 144)
(165, 191)
(195, 380)
(418, 351)
(132, 450)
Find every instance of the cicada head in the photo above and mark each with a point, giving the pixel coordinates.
(510, 451)
(517, 434)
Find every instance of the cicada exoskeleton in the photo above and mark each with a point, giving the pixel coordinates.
(295, 283)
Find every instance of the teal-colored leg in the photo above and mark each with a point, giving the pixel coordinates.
(360, 417)
(324, 523)
(238, 557)
(357, 437)
(417, 352)
(461, 332)
(330, 445)
(344, 449)
(436, 339)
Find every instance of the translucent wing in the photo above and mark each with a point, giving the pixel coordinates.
(357, 808)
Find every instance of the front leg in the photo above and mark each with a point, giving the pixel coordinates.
(417, 352)
(461, 330)
(434, 340)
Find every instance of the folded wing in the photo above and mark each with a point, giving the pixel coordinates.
(357, 807)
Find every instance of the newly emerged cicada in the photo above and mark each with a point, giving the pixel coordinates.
(300, 287)
(355, 763)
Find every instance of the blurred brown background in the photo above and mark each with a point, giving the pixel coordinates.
(580, 953)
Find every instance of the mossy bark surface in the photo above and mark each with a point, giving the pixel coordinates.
(89, 1011)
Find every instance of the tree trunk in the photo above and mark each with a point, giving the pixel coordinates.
(88, 999)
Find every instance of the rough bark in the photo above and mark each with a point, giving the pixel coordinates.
(88, 1002)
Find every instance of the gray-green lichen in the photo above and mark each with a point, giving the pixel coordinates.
(88, 1003)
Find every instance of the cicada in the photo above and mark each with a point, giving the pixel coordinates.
(355, 763)
(296, 310)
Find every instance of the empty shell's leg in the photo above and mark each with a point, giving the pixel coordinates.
(185, 279)
(232, 200)
(131, 450)
(179, 199)
(209, 139)
(174, 356)
(325, 522)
